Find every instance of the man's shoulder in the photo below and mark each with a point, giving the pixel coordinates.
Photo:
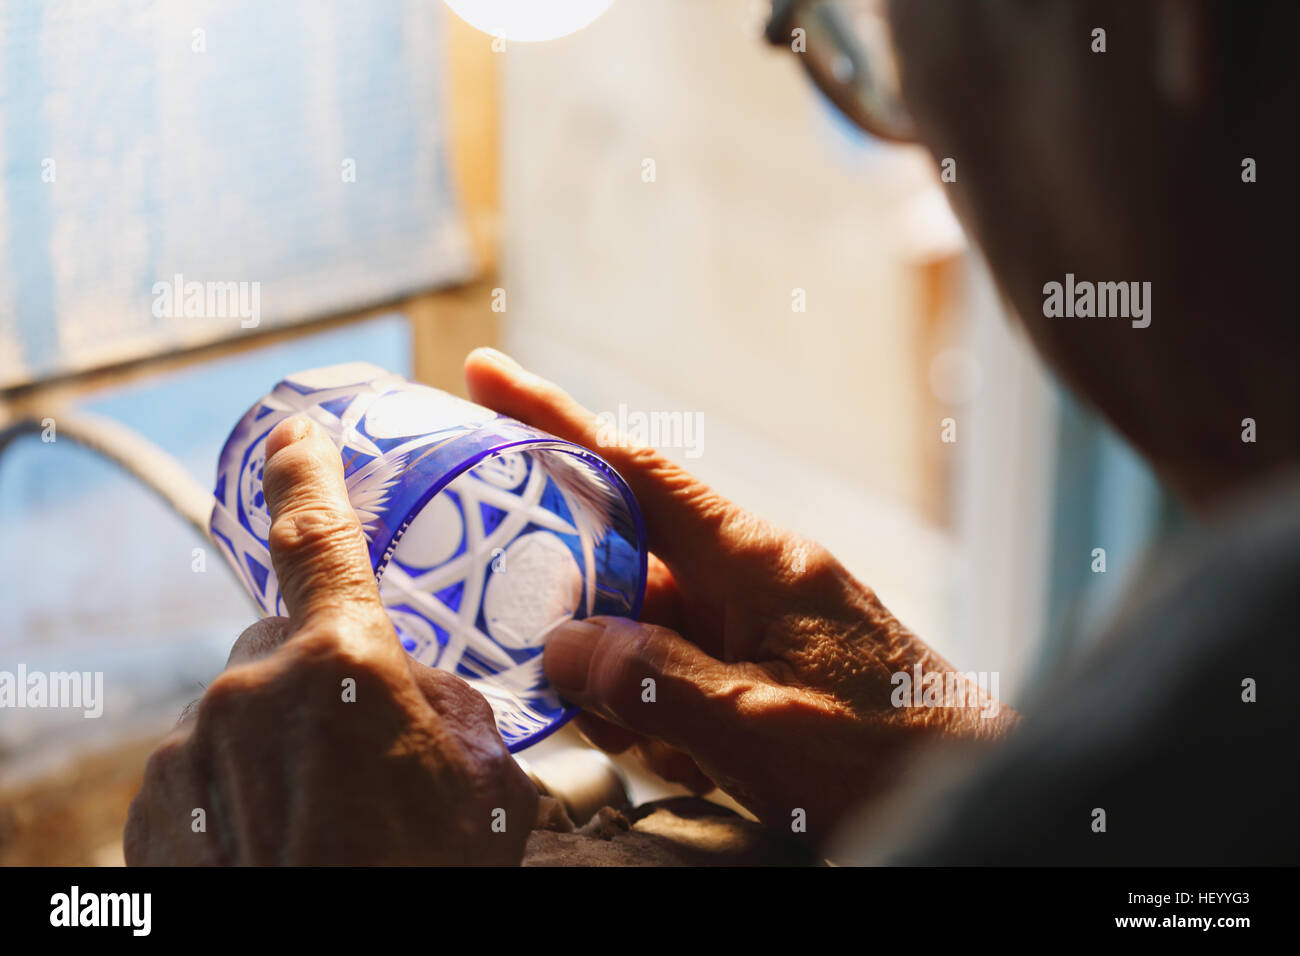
(1174, 743)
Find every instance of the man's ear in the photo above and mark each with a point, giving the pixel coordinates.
(1185, 63)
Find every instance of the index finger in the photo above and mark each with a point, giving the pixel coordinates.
(685, 519)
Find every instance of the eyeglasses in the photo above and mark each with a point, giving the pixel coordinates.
(845, 46)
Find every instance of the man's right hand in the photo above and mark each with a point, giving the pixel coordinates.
(772, 667)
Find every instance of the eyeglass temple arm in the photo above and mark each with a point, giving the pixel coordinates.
(833, 22)
(777, 30)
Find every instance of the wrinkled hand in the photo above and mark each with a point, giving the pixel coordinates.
(772, 665)
(323, 742)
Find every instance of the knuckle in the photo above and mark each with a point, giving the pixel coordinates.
(165, 756)
(229, 691)
(314, 528)
(469, 701)
(287, 471)
(807, 562)
(822, 565)
(647, 458)
(477, 707)
(260, 638)
(630, 656)
(441, 680)
(329, 651)
(317, 647)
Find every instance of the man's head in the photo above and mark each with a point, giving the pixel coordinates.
(1118, 157)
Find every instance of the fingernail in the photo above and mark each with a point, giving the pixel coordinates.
(288, 432)
(568, 655)
(500, 358)
(296, 428)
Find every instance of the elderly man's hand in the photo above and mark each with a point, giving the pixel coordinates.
(323, 742)
(772, 667)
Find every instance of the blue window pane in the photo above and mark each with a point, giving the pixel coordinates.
(291, 152)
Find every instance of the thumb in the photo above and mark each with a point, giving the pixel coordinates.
(320, 553)
(647, 678)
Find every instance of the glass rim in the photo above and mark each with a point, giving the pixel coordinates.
(550, 443)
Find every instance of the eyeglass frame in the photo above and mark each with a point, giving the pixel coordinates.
(779, 29)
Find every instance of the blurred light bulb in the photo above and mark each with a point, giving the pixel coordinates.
(528, 20)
